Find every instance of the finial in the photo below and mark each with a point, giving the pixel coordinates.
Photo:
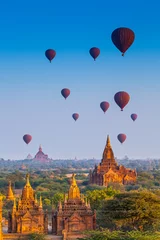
(89, 206)
(40, 201)
(108, 141)
(14, 204)
(36, 198)
(40, 147)
(27, 180)
(73, 180)
(60, 205)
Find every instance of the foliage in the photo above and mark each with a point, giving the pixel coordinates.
(36, 236)
(105, 234)
(132, 210)
(96, 196)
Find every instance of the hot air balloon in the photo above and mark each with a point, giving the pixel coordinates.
(75, 116)
(27, 138)
(134, 116)
(50, 54)
(94, 52)
(123, 38)
(121, 137)
(65, 92)
(104, 106)
(122, 99)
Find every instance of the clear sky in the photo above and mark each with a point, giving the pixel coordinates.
(30, 98)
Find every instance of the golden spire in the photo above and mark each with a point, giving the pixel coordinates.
(28, 192)
(10, 195)
(74, 190)
(108, 153)
(40, 202)
(27, 180)
(60, 205)
(108, 141)
(14, 205)
(36, 198)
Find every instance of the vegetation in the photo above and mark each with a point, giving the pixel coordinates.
(36, 236)
(119, 235)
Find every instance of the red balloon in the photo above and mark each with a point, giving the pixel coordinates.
(75, 116)
(123, 38)
(104, 106)
(121, 137)
(134, 116)
(27, 138)
(122, 99)
(94, 52)
(65, 92)
(50, 54)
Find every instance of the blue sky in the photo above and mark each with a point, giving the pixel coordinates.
(30, 99)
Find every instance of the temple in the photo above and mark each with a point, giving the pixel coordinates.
(10, 195)
(28, 216)
(73, 216)
(109, 171)
(40, 156)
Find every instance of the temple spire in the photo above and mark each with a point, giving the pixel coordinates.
(40, 148)
(108, 141)
(14, 205)
(10, 195)
(27, 180)
(74, 190)
(40, 202)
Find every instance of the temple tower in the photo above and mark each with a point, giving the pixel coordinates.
(10, 195)
(74, 215)
(28, 216)
(109, 171)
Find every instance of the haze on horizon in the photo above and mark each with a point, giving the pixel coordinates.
(30, 98)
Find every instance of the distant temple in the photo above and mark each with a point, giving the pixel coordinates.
(109, 171)
(29, 157)
(28, 216)
(10, 195)
(74, 216)
(40, 156)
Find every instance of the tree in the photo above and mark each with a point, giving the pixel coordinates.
(96, 196)
(133, 210)
(56, 198)
(105, 234)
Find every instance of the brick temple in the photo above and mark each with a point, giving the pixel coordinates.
(109, 170)
(73, 216)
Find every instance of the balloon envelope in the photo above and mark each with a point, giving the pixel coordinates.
(121, 137)
(121, 99)
(27, 138)
(123, 38)
(134, 116)
(75, 116)
(94, 52)
(50, 54)
(104, 106)
(65, 92)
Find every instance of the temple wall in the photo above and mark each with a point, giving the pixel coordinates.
(16, 236)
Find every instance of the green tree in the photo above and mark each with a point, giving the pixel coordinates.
(96, 196)
(56, 198)
(133, 210)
